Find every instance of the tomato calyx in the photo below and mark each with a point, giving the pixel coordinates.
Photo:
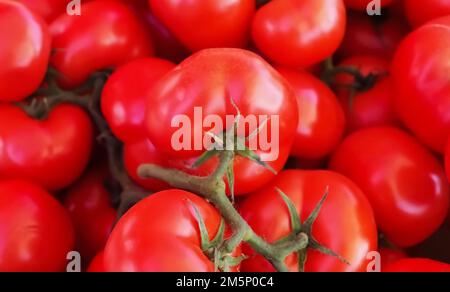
(304, 230)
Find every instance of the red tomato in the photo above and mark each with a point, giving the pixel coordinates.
(418, 13)
(60, 145)
(97, 265)
(24, 51)
(389, 256)
(362, 4)
(405, 184)
(447, 160)
(48, 9)
(423, 96)
(125, 95)
(89, 206)
(370, 105)
(299, 33)
(208, 23)
(414, 265)
(107, 34)
(367, 35)
(161, 234)
(321, 118)
(35, 230)
(235, 75)
(346, 210)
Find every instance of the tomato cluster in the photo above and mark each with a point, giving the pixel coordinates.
(215, 135)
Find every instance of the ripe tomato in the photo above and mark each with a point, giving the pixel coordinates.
(418, 13)
(235, 75)
(161, 234)
(345, 224)
(90, 208)
(299, 33)
(97, 265)
(423, 96)
(362, 4)
(24, 51)
(414, 265)
(389, 256)
(208, 23)
(125, 95)
(35, 230)
(48, 9)
(321, 118)
(60, 145)
(106, 34)
(377, 36)
(405, 184)
(370, 104)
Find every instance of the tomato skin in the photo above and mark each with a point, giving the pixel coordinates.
(362, 4)
(366, 35)
(89, 206)
(447, 160)
(405, 184)
(107, 34)
(97, 265)
(267, 214)
(125, 95)
(208, 23)
(60, 151)
(419, 14)
(425, 92)
(371, 107)
(390, 256)
(24, 53)
(299, 33)
(161, 233)
(48, 9)
(414, 265)
(34, 224)
(321, 118)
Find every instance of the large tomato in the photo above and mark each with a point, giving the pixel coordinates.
(419, 13)
(423, 96)
(60, 145)
(405, 184)
(372, 102)
(258, 91)
(345, 223)
(207, 23)
(48, 9)
(363, 4)
(35, 230)
(321, 118)
(299, 33)
(24, 51)
(125, 95)
(367, 35)
(414, 265)
(97, 265)
(161, 234)
(90, 208)
(107, 34)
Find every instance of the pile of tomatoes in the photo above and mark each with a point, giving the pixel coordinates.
(364, 114)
